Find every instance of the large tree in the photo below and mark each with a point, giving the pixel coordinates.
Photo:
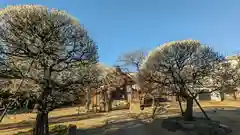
(52, 45)
(182, 66)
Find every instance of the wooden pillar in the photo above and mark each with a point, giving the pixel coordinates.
(102, 101)
(108, 99)
(129, 94)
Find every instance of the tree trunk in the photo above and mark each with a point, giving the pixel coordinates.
(188, 114)
(108, 106)
(153, 101)
(234, 96)
(222, 96)
(5, 111)
(35, 108)
(177, 98)
(41, 125)
(87, 105)
(88, 101)
(108, 103)
(180, 105)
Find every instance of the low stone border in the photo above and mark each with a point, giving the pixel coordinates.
(199, 126)
(72, 129)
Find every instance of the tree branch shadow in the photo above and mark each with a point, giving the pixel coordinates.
(52, 120)
(229, 117)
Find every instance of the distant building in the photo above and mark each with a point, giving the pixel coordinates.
(214, 96)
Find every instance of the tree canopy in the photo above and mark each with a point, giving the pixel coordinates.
(182, 66)
(38, 36)
(47, 46)
(132, 59)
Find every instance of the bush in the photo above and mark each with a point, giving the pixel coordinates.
(59, 130)
(54, 130)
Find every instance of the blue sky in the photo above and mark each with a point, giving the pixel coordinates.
(120, 26)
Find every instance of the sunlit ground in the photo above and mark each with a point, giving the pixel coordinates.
(226, 113)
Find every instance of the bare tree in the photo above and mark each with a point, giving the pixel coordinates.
(53, 45)
(133, 59)
(182, 64)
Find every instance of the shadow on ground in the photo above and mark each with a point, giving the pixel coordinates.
(227, 116)
(132, 127)
(52, 120)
